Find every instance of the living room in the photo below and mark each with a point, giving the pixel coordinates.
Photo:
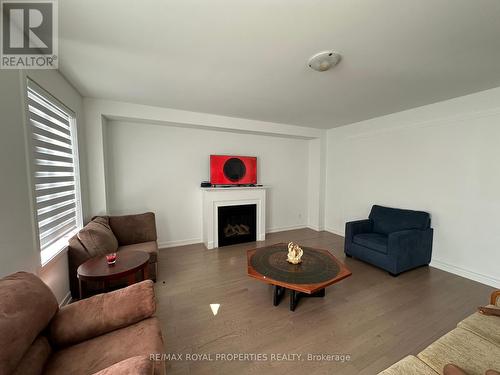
(363, 136)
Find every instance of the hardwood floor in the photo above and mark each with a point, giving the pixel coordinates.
(372, 317)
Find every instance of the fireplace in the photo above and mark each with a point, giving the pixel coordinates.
(219, 197)
(237, 224)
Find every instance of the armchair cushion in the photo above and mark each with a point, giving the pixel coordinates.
(374, 241)
(97, 237)
(27, 305)
(387, 220)
(132, 229)
(102, 313)
(90, 356)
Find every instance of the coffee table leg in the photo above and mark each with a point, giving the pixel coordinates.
(80, 286)
(294, 299)
(319, 293)
(296, 296)
(132, 279)
(105, 286)
(279, 292)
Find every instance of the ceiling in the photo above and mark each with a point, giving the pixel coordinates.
(248, 58)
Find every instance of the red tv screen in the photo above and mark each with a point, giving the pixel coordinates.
(233, 170)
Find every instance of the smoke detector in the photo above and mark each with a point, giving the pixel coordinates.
(323, 61)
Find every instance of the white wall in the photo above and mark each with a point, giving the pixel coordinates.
(316, 184)
(159, 168)
(99, 111)
(442, 158)
(18, 249)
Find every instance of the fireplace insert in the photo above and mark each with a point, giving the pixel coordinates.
(237, 224)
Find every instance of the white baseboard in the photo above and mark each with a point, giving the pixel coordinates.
(335, 231)
(165, 244)
(66, 300)
(282, 229)
(480, 278)
(316, 228)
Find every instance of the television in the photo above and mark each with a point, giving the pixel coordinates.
(233, 170)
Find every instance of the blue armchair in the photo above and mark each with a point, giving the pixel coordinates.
(393, 239)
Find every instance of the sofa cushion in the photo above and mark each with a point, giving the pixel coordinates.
(463, 348)
(150, 247)
(27, 306)
(99, 314)
(34, 360)
(140, 365)
(387, 220)
(96, 354)
(131, 229)
(409, 366)
(97, 237)
(374, 241)
(77, 254)
(486, 326)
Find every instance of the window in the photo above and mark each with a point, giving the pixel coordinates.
(56, 183)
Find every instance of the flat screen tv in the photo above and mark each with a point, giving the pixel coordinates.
(233, 170)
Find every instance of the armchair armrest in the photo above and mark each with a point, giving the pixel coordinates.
(495, 298)
(132, 229)
(406, 239)
(355, 227)
(102, 313)
(410, 244)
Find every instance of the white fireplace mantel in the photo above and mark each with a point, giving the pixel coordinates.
(213, 198)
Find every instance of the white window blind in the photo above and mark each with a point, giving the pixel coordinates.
(55, 171)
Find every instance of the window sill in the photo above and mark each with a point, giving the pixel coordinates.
(58, 248)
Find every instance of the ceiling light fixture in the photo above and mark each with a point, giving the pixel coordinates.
(323, 61)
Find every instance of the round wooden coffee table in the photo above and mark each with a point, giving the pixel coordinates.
(127, 266)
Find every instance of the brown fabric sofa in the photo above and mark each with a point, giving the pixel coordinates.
(473, 346)
(108, 334)
(106, 234)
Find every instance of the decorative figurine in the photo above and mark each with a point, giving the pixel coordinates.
(294, 253)
(111, 259)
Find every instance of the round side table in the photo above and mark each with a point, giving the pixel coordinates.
(127, 265)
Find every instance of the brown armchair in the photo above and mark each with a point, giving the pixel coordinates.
(112, 333)
(105, 234)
